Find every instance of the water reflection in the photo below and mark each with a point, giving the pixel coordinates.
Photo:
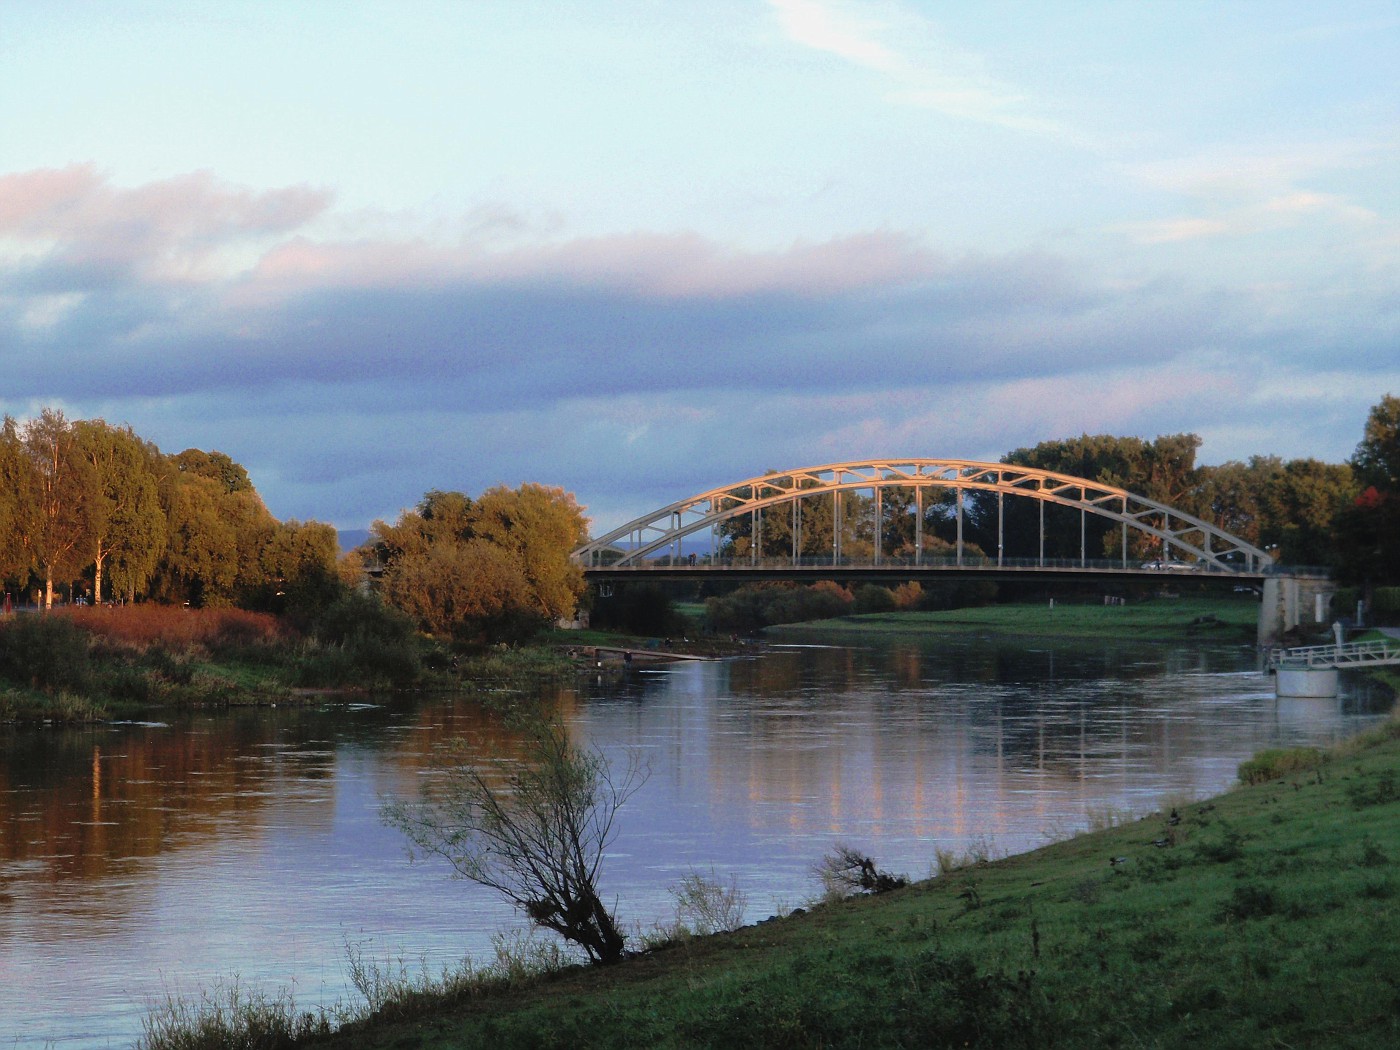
(134, 857)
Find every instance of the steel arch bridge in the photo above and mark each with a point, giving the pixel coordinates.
(655, 539)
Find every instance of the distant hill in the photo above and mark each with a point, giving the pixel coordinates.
(351, 538)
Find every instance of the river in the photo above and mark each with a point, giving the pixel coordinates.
(151, 859)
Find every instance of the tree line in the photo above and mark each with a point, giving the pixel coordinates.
(94, 512)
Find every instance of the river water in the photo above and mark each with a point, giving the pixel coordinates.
(140, 861)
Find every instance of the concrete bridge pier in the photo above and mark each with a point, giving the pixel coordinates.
(1289, 601)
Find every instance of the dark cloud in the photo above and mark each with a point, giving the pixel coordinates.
(351, 377)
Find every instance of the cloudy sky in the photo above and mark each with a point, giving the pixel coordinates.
(641, 248)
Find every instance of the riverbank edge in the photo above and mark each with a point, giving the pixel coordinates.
(209, 682)
(1261, 916)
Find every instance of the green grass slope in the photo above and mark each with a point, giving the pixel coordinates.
(1166, 619)
(1267, 917)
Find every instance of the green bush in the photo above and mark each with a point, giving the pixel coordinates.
(872, 598)
(1248, 901)
(44, 652)
(968, 594)
(760, 604)
(1279, 762)
(1385, 601)
(359, 637)
(643, 608)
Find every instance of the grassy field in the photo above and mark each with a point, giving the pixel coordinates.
(1266, 917)
(1224, 619)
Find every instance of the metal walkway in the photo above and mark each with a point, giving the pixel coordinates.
(1348, 655)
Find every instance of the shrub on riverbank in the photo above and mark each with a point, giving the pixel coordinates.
(149, 656)
(359, 639)
(44, 653)
(1280, 762)
(758, 605)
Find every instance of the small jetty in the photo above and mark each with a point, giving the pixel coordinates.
(614, 653)
(1312, 670)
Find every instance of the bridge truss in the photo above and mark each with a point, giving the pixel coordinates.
(659, 535)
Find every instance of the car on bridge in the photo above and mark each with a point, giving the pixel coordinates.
(1169, 566)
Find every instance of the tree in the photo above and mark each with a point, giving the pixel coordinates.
(1377, 458)
(1163, 470)
(474, 591)
(492, 569)
(541, 526)
(53, 479)
(201, 560)
(1287, 508)
(218, 529)
(1311, 494)
(534, 831)
(1367, 532)
(13, 471)
(216, 466)
(1367, 537)
(845, 871)
(125, 520)
(1236, 496)
(298, 564)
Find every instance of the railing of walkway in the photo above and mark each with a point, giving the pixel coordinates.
(1349, 654)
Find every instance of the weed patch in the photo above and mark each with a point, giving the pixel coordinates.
(1377, 791)
(1279, 762)
(1226, 846)
(1249, 901)
(231, 1016)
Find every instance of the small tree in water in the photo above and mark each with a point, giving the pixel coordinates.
(534, 831)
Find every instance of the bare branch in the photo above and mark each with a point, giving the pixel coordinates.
(533, 831)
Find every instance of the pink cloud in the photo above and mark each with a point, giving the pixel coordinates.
(74, 216)
(675, 266)
(258, 247)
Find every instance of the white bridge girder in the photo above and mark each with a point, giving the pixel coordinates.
(1179, 532)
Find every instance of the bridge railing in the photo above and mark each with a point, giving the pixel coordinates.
(721, 563)
(1344, 655)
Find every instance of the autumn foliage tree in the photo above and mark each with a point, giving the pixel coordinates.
(493, 569)
(53, 480)
(86, 500)
(125, 522)
(1367, 532)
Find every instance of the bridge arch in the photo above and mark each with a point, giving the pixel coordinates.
(1181, 535)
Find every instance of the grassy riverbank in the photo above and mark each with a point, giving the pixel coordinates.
(1158, 619)
(1264, 917)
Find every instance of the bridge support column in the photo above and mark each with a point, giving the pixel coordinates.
(1278, 612)
(1290, 601)
(918, 525)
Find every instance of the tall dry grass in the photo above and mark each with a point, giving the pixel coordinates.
(177, 628)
